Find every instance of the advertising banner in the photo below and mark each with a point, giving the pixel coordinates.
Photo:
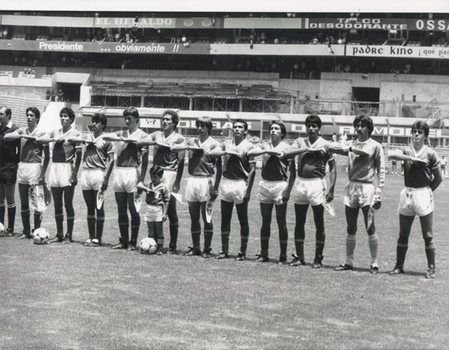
(397, 51)
(376, 23)
(158, 22)
(104, 47)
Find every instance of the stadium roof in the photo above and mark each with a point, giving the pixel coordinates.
(320, 6)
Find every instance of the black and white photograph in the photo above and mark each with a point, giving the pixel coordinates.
(224, 175)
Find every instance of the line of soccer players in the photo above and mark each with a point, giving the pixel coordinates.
(216, 169)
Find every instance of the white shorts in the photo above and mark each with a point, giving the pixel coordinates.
(416, 201)
(59, 174)
(125, 179)
(271, 191)
(232, 191)
(92, 179)
(358, 194)
(28, 173)
(153, 213)
(169, 178)
(198, 188)
(309, 191)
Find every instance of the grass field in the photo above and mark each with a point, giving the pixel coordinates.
(67, 296)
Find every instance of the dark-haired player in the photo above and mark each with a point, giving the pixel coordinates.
(274, 188)
(310, 188)
(172, 162)
(62, 174)
(31, 171)
(157, 199)
(97, 157)
(236, 185)
(9, 160)
(422, 177)
(363, 191)
(200, 186)
(126, 175)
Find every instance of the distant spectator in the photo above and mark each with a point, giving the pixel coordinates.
(60, 95)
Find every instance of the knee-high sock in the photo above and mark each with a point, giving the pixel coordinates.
(430, 251)
(99, 230)
(11, 216)
(373, 246)
(350, 245)
(2, 214)
(25, 213)
(195, 240)
(173, 219)
(37, 219)
(91, 226)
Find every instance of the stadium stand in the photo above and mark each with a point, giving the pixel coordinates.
(337, 65)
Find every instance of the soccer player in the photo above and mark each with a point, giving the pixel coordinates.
(274, 188)
(31, 171)
(422, 177)
(310, 187)
(157, 199)
(62, 174)
(126, 175)
(200, 186)
(236, 185)
(172, 163)
(97, 157)
(9, 160)
(363, 191)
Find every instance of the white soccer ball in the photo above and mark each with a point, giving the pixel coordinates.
(40, 236)
(2, 229)
(148, 246)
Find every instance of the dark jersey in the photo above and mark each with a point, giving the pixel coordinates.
(200, 163)
(64, 152)
(235, 167)
(274, 168)
(97, 154)
(158, 195)
(30, 150)
(9, 152)
(163, 156)
(312, 164)
(418, 175)
(130, 154)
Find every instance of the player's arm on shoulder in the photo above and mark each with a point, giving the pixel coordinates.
(339, 148)
(15, 135)
(44, 137)
(257, 150)
(398, 154)
(113, 136)
(294, 149)
(147, 140)
(218, 151)
(185, 145)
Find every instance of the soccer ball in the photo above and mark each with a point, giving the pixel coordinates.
(40, 236)
(2, 229)
(148, 246)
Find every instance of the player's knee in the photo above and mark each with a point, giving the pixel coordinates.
(351, 237)
(351, 231)
(371, 230)
(428, 237)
